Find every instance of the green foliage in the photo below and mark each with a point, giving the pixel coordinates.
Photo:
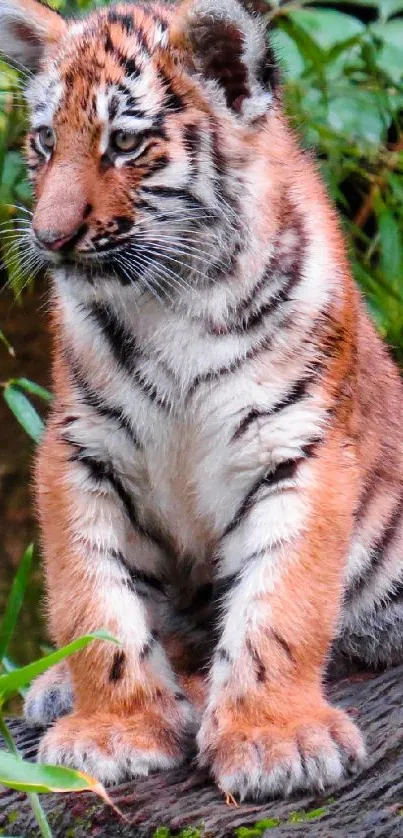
(344, 93)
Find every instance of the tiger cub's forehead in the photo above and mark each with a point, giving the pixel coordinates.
(112, 66)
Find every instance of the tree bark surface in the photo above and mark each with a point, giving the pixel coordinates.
(366, 806)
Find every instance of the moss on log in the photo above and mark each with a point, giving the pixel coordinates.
(367, 806)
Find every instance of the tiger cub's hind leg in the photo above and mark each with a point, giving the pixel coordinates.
(375, 641)
(50, 697)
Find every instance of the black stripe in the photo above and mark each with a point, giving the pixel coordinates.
(296, 393)
(254, 320)
(284, 645)
(120, 341)
(378, 550)
(125, 351)
(173, 101)
(103, 472)
(142, 39)
(223, 586)
(224, 655)
(212, 376)
(257, 661)
(139, 577)
(91, 399)
(283, 471)
(263, 344)
(192, 143)
(129, 66)
(156, 165)
(181, 194)
(148, 647)
(130, 102)
(125, 21)
(246, 320)
(113, 107)
(118, 667)
(394, 597)
(245, 315)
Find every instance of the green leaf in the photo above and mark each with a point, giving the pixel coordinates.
(32, 777)
(32, 387)
(11, 682)
(288, 53)
(327, 26)
(15, 599)
(389, 58)
(310, 50)
(357, 115)
(38, 778)
(10, 666)
(391, 245)
(18, 774)
(24, 411)
(388, 8)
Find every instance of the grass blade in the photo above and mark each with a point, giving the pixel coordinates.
(12, 682)
(15, 600)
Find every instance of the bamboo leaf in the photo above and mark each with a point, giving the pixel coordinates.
(33, 388)
(23, 411)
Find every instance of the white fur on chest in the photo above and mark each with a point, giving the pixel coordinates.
(190, 476)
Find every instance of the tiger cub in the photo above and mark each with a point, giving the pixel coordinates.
(220, 481)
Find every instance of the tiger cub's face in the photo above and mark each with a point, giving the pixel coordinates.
(140, 116)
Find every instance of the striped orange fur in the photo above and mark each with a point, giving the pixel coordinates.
(220, 481)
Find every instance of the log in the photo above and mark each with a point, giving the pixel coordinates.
(366, 806)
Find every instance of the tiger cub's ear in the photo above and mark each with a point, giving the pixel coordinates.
(27, 29)
(229, 46)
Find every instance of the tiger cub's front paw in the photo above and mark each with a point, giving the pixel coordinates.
(260, 762)
(112, 748)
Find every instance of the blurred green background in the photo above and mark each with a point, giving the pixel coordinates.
(343, 83)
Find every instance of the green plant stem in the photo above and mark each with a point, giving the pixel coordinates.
(8, 737)
(39, 815)
(33, 798)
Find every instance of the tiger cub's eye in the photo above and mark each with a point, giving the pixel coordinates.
(46, 139)
(124, 142)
